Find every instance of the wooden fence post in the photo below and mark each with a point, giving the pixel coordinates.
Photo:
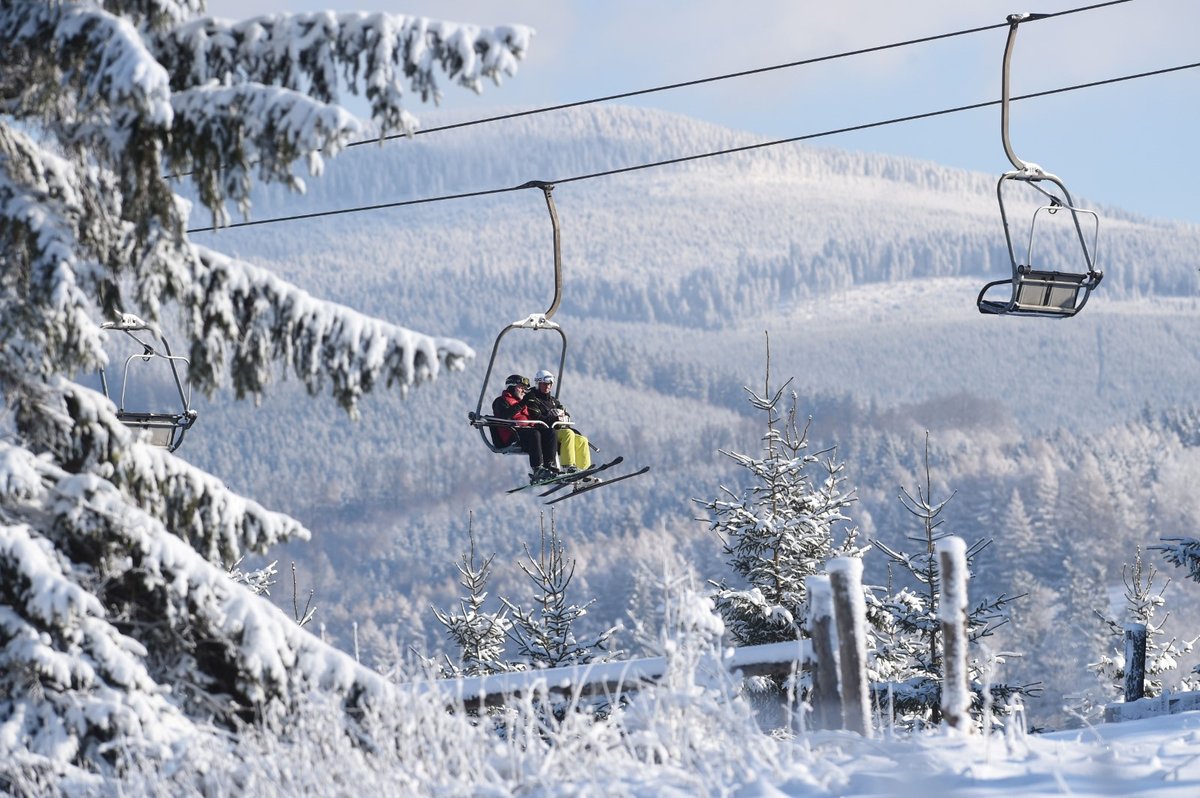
(952, 613)
(826, 706)
(1135, 661)
(850, 614)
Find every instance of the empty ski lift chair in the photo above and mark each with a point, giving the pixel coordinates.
(1035, 290)
(165, 428)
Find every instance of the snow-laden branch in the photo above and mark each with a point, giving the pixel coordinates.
(45, 286)
(274, 657)
(249, 318)
(78, 680)
(156, 14)
(79, 428)
(98, 59)
(222, 133)
(60, 605)
(1182, 553)
(305, 52)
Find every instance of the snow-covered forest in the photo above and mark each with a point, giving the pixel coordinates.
(863, 269)
(261, 611)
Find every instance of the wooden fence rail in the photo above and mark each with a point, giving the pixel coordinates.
(610, 678)
(837, 621)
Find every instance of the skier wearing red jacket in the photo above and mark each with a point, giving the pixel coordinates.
(539, 442)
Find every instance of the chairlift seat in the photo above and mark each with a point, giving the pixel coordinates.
(162, 428)
(1040, 293)
(487, 426)
(1034, 292)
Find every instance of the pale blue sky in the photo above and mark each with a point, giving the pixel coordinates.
(1129, 145)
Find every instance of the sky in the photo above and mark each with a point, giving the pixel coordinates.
(1128, 145)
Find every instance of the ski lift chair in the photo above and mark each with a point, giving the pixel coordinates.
(1039, 291)
(164, 428)
(487, 424)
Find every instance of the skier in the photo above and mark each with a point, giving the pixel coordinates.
(536, 441)
(574, 454)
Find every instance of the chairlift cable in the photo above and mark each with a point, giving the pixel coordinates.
(625, 95)
(731, 75)
(699, 156)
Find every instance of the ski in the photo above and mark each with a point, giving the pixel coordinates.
(578, 476)
(565, 479)
(599, 484)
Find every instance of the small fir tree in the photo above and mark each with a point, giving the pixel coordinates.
(478, 635)
(1142, 603)
(780, 529)
(905, 623)
(545, 636)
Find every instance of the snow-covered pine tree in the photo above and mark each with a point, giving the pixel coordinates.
(1142, 603)
(546, 635)
(120, 629)
(905, 622)
(478, 635)
(780, 529)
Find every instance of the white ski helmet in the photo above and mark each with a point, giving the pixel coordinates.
(543, 376)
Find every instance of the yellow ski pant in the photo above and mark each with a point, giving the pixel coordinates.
(573, 450)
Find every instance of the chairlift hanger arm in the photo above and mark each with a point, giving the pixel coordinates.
(547, 190)
(1014, 21)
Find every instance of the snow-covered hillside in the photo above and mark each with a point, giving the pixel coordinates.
(863, 268)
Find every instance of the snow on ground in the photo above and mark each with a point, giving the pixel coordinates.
(1151, 757)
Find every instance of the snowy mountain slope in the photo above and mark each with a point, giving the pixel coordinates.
(829, 217)
(672, 275)
(863, 268)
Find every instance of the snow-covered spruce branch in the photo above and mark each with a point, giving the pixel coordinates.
(306, 51)
(1182, 553)
(44, 305)
(80, 429)
(221, 133)
(88, 73)
(162, 589)
(251, 318)
(75, 681)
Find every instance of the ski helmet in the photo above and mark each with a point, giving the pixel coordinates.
(516, 379)
(543, 376)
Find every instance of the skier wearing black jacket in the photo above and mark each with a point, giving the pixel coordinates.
(573, 450)
(536, 441)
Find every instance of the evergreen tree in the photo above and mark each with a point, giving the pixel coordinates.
(906, 623)
(1142, 603)
(120, 628)
(546, 636)
(780, 529)
(479, 636)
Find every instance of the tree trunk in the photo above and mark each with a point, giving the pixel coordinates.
(1135, 661)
